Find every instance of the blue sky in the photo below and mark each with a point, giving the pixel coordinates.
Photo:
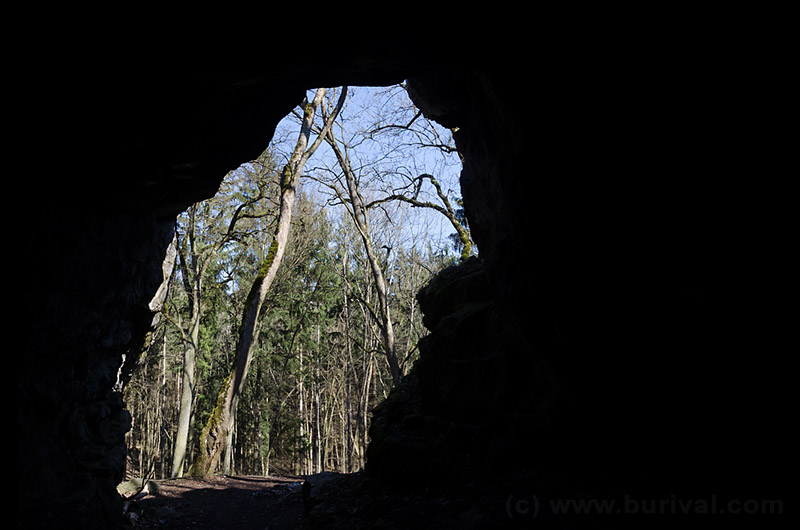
(386, 161)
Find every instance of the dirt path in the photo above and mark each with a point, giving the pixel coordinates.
(214, 503)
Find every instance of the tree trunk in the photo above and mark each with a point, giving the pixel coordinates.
(214, 437)
(193, 288)
(301, 414)
(186, 401)
(163, 441)
(317, 428)
(359, 215)
(348, 368)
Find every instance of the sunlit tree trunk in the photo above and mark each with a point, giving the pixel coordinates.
(214, 436)
(192, 273)
(301, 412)
(317, 417)
(348, 367)
(163, 441)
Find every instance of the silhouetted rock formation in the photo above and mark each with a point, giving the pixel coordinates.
(437, 433)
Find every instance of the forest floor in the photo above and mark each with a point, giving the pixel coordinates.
(216, 502)
(333, 501)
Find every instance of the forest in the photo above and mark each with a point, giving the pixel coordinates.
(288, 308)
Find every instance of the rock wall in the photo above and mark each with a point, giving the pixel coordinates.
(87, 306)
(609, 347)
(469, 410)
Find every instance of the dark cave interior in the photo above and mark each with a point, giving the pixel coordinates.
(626, 303)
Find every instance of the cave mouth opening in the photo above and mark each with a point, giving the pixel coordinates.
(678, 348)
(405, 171)
(106, 230)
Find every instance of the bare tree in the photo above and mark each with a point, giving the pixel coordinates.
(445, 208)
(382, 157)
(356, 207)
(216, 436)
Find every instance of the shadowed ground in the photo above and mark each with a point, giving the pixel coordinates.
(235, 503)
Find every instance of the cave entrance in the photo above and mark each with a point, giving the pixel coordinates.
(376, 212)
